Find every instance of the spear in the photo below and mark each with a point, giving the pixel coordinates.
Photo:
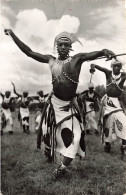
(114, 56)
(91, 77)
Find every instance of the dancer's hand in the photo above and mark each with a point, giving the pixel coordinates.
(8, 31)
(108, 54)
(92, 69)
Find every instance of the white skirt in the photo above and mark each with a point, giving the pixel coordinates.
(116, 121)
(9, 120)
(77, 145)
(90, 120)
(24, 112)
(8, 115)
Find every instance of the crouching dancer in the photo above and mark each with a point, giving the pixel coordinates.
(114, 124)
(61, 122)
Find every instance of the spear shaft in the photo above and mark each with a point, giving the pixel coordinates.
(122, 54)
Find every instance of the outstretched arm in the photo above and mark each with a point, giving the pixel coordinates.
(94, 55)
(25, 49)
(19, 95)
(35, 97)
(46, 95)
(105, 70)
(83, 92)
(30, 98)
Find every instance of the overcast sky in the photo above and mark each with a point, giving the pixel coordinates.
(99, 24)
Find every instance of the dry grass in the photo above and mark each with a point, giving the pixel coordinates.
(26, 172)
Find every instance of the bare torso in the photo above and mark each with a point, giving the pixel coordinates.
(114, 83)
(65, 84)
(114, 88)
(66, 89)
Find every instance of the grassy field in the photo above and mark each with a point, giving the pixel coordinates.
(24, 170)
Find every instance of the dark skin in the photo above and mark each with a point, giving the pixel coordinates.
(31, 98)
(7, 95)
(66, 90)
(75, 64)
(93, 99)
(112, 90)
(40, 94)
(91, 90)
(25, 95)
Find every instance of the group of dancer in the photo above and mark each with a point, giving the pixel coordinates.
(24, 101)
(62, 125)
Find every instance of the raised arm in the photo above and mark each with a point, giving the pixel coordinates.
(25, 49)
(19, 95)
(105, 70)
(2, 95)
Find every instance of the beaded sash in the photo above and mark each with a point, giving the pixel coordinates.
(56, 68)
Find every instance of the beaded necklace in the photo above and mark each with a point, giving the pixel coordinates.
(61, 63)
(69, 78)
(116, 80)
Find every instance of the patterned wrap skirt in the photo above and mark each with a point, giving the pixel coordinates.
(114, 120)
(62, 128)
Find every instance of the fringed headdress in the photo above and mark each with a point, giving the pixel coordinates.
(66, 36)
(116, 62)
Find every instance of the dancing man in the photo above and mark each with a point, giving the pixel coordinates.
(6, 116)
(24, 109)
(41, 98)
(90, 103)
(114, 124)
(61, 122)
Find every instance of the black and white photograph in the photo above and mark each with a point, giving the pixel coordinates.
(63, 97)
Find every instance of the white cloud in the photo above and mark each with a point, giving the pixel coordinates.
(33, 23)
(38, 32)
